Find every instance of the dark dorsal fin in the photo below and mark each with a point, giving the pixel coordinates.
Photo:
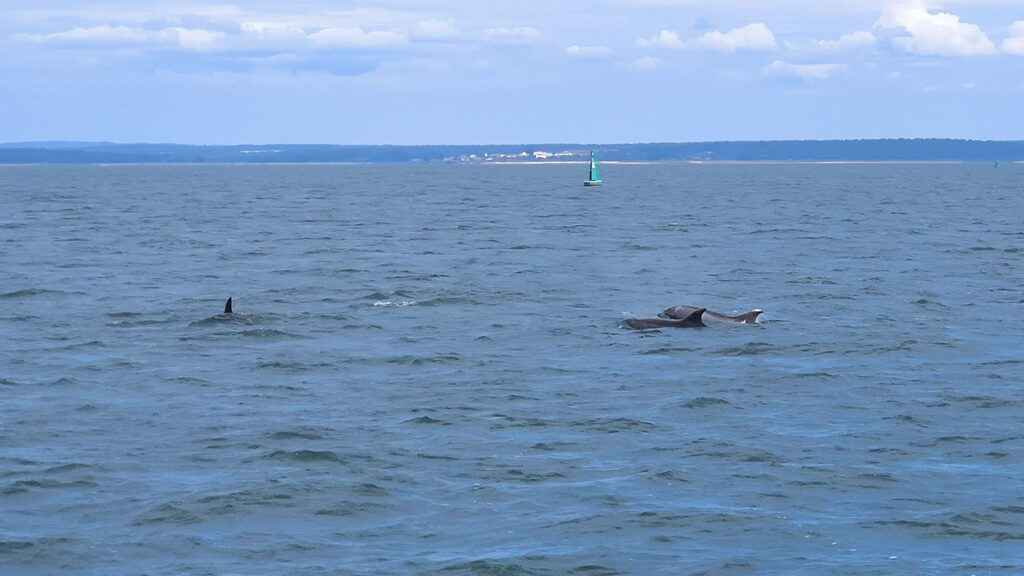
(227, 306)
(695, 316)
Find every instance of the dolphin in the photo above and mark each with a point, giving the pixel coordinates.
(692, 320)
(676, 312)
(227, 317)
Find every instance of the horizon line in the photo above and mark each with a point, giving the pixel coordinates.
(41, 143)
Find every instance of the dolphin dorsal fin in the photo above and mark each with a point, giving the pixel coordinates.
(695, 316)
(227, 306)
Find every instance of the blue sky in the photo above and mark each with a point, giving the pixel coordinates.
(477, 72)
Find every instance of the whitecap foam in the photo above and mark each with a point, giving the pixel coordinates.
(386, 303)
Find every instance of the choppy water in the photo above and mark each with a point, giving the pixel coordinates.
(436, 380)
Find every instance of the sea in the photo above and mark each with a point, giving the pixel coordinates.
(427, 370)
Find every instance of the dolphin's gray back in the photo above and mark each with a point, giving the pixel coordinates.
(678, 311)
(693, 320)
(710, 316)
(745, 318)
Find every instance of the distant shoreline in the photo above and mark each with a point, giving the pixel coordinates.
(526, 163)
(648, 162)
(804, 151)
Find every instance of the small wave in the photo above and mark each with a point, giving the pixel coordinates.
(632, 246)
(89, 344)
(133, 321)
(748, 349)
(268, 334)
(426, 420)
(399, 304)
(436, 457)
(777, 230)
(350, 508)
(66, 468)
(671, 476)
(931, 305)
(236, 319)
(616, 425)
(894, 451)
(813, 281)
(371, 490)
(167, 513)
(191, 381)
(27, 293)
(706, 402)
(555, 446)
(513, 422)
(908, 419)
(459, 300)
(9, 546)
(488, 568)
(259, 334)
(286, 366)
(984, 526)
(387, 296)
(816, 375)
(761, 457)
(301, 434)
(980, 402)
(664, 350)
(422, 360)
(23, 486)
(305, 456)
(531, 247)
(530, 477)
(19, 318)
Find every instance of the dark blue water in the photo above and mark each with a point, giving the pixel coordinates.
(436, 381)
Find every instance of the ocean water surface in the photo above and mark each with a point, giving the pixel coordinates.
(432, 378)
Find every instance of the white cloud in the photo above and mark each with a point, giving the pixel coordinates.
(229, 29)
(646, 63)
(939, 34)
(198, 40)
(754, 36)
(434, 30)
(131, 37)
(665, 39)
(356, 37)
(272, 31)
(100, 36)
(847, 42)
(575, 50)
(513, 35)
(1015, 43)
(803, 71)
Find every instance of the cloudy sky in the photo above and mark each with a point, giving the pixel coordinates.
(529, 71)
